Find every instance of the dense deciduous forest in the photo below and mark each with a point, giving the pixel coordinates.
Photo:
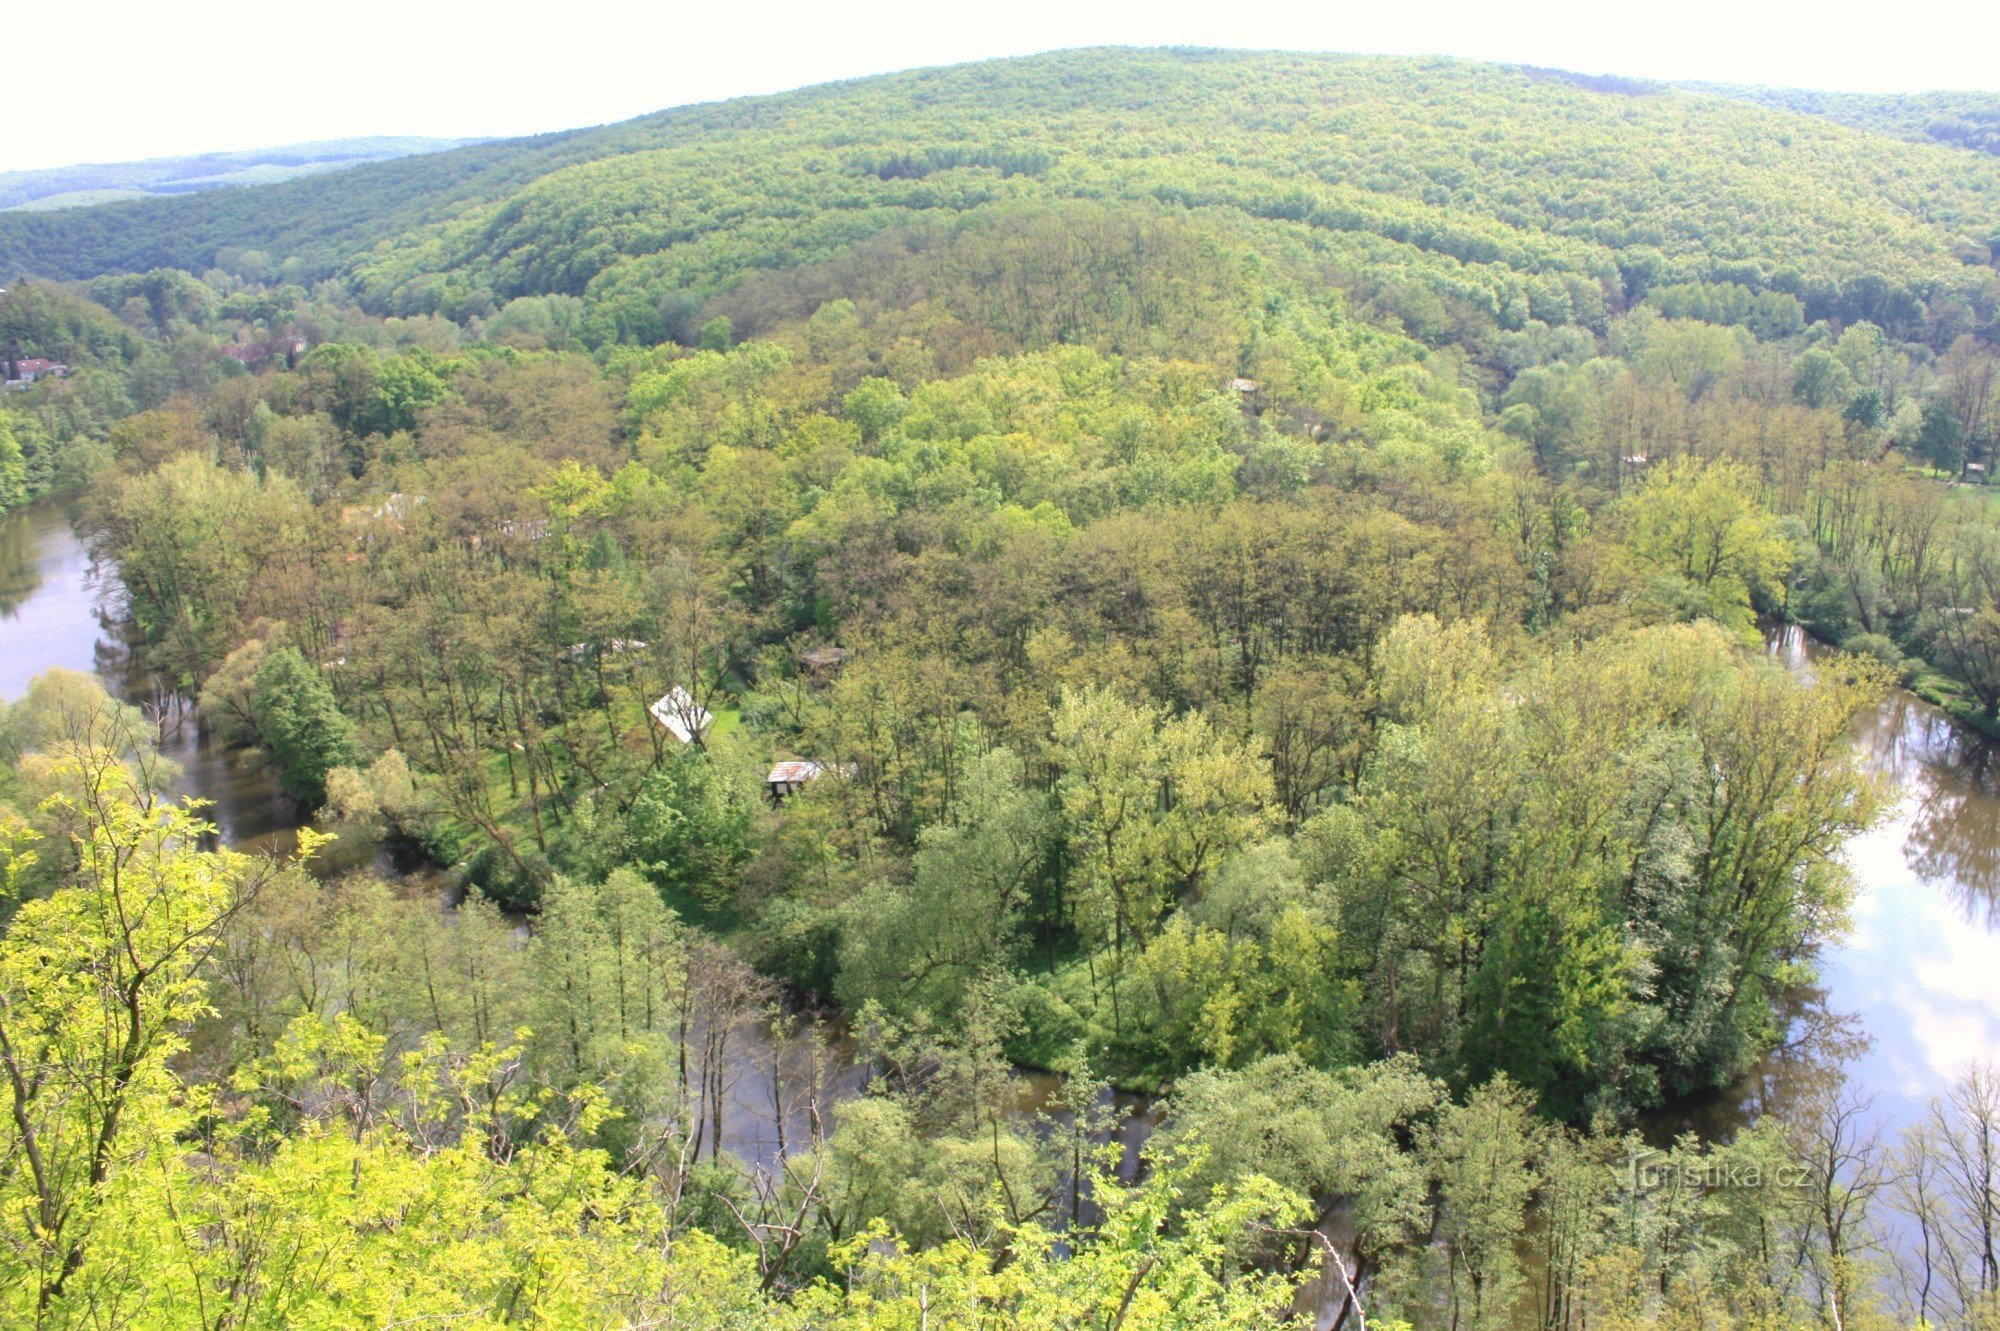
(1969, 120)
(1262, 558)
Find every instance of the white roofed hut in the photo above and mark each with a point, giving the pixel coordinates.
(1249, 395)
(684, 718)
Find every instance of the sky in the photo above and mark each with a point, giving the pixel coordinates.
(127, 80)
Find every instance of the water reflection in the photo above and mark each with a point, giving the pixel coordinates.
(1916, 974)
(1954, 836)
(1821, 1043)
(58, 609)
(1904, 1003)
(49, 599)
(20, 568)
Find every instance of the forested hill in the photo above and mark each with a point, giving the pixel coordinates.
(1969, 120)
(1460, 188)
(1235, 576)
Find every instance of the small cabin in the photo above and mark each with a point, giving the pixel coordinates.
(822, 660)
(583, 652)
(680, 715)
(789, 778)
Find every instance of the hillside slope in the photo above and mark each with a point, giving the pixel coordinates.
(1969, 120)
(1461, 190)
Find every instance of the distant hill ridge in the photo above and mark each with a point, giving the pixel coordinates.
(1969, 120)
(91, 183)
(1454, 185)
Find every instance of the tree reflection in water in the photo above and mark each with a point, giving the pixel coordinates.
(1810, 1064)
(1953, 805)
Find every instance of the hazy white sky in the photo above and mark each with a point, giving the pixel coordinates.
(110, 80)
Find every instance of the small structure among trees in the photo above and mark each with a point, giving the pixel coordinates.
(788, 778)
(823, 660)
(684, 718)
(20, 372)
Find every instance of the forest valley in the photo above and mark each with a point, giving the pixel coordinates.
(1291, 648)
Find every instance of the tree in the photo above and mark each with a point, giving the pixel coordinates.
(1940, 439)
(300, 723)
(98, 981)
(604, 968)
(1692, 356)
(1700, 529)
(404, 388)
(1948, 1184)
(691, 826)
(1336, 1137)
(13, 467)
(1315, 732)
(1970, 373)
(1963, 634)
(1820, 381)
(59, 743)
(921, 945)
(201, 550)
(1107, 750)
(1866, 409)
(876, 405)
(1481, 1155)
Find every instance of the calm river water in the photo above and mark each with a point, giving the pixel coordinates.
(1907, 999)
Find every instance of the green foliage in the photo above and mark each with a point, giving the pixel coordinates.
(170, 300)
(63, 733)
(13, 467)
(716, 334)
(549, 322)
(300, 723)
(38, 319)
(403, 389)
(691, 826)
(1554, 212)
(369, 1155)
(1941, 439)
(100, 980)
(1291, 558)
(1482, 1155)
(925, 944)
(196, 542)
(1582, 823)
(1701, 540)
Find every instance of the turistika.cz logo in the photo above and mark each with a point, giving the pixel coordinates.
(1649, 1171)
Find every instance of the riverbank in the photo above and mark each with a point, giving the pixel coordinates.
(1903, 1001)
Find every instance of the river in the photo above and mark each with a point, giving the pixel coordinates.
(1910, 996)
(1906, 1000)
(58, 610)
